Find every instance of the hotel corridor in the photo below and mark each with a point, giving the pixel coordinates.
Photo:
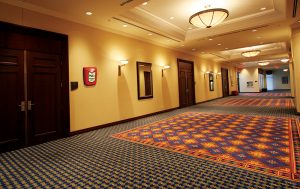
(245, 141)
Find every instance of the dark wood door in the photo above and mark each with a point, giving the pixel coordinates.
(34, 94)
(44, 86)
(186, 83)
(12, 122)
(225, 83)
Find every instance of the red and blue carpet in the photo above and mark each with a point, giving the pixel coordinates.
(279, 94)
(256, 143)
(279, 102)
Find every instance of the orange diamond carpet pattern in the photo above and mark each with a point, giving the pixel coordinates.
(287, 103)
(255, 143)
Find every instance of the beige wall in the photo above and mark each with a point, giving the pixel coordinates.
(249, 75)
(296, 65)
(114, 97)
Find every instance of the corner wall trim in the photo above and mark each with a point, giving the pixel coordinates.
(118, 122)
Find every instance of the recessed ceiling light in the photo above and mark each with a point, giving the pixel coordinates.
(254, 30)
(150, 34)
(263, 8)
(226, 48)
(210, 39)
(182, 45)
(172, 18)
(190, 28)
(219, 44)
(88, 13)
(145, 3)
(125, 25)
(193, 49)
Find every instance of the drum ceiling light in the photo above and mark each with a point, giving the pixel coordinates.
(250, 53)
(263, 63)
(209, 17)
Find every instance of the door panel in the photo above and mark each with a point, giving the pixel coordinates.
(11, 94)
(44, 85)
(190, 87)
(182, 89)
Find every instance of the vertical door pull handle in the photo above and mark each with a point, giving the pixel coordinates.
(30, 105)
(23, 106)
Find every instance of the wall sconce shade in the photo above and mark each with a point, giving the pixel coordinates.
(250, 53)
(209, 17)
(121, 63)
(164, 68)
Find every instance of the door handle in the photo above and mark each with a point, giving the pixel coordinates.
(30, 105)
(23, 106)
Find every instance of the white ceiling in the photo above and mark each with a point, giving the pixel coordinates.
(247, 27)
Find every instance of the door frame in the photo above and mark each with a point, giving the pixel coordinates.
(37, 35)
(193, 75)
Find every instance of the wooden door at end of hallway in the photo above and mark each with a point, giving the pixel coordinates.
(225, 83)
(186, 83)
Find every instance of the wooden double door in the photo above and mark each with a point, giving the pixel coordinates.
(186, 83)
(31, 97)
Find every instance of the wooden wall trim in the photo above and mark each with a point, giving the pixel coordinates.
(118, 122)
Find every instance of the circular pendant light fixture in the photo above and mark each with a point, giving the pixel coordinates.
(209, 17)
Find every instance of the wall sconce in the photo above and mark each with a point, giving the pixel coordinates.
(206, 73)
(122, 63)
(164, 68)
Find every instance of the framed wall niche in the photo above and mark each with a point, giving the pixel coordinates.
(144, 80)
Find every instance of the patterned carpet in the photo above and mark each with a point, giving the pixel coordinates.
(96, 160)
(229, 139)
(276, 94)
(274, 102)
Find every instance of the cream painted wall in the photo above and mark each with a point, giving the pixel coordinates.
(277, 81)
(295, 44)
(114, 97)
(249, 75)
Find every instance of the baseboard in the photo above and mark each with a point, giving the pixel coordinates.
(250, 92)
(209, 100)
(118, 122)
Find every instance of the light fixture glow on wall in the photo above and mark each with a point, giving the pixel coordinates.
(284, 60)
(207, 72)
(263, 63)
(251, 53)
(209, 17)
(121, 64)
(164, 68)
